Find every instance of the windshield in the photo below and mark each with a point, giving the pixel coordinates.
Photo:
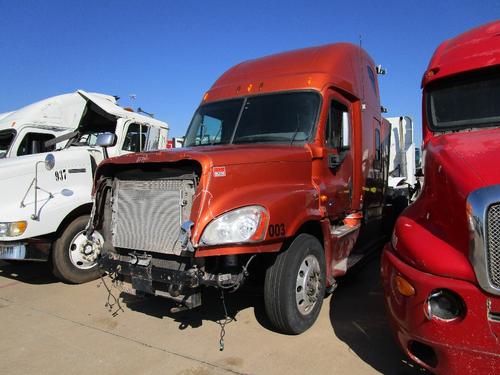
(464, 102)
(87, 139)
(6, 138)
(276, 118)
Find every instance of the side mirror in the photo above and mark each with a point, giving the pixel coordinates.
(106, 140)
(402, 182)
(345, 131)
(50, 162)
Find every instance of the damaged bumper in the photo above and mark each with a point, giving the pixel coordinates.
(176, 278)
(469, 344)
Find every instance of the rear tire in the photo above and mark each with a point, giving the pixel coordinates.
(64, 265)
(294, 286)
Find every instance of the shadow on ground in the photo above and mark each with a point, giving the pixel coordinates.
(358, 318)
(357, 315)
(36, 273)
(214, 311)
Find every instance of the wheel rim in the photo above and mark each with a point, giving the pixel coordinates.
(81, 252)
(308, 285)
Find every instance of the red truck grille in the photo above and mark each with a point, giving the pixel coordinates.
(493, 249)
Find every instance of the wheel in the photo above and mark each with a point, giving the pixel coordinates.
(73, 257)
(294, 286)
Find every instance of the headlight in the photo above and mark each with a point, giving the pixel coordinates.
(13, 229)
(444, 305)
(247, 224)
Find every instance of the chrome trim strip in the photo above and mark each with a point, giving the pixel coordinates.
(478, 203)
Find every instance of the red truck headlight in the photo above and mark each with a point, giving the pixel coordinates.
(246, 224)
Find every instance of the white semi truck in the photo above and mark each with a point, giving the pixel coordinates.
(48, 154)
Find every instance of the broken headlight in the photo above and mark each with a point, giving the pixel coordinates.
(246, 224)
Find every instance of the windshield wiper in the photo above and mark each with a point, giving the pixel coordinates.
(296, 130)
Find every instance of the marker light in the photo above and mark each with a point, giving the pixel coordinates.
(403, 286)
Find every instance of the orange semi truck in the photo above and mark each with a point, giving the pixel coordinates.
(283, 173)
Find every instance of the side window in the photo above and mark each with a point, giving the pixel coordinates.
(153, 139)
(136, 138)
(338, 126)
(34, 143)
(371, 75)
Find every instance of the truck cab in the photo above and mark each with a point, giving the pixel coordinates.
(46, 195)
(282, 174)
(25, 131)
(441, 271)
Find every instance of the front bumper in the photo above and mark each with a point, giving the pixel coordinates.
(174, 277)
(21, 250)
(469, 345)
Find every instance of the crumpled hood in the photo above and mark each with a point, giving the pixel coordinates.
(226, 155)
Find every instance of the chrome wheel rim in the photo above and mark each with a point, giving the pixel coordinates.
(308, 284)
(82, 252)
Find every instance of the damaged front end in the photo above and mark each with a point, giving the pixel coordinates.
(143, 214)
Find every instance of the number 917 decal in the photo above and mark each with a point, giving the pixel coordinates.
(276, 230)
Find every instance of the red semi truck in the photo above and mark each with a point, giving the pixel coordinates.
(441, 271)
(283, 172)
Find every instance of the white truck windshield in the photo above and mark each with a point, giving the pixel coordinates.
(6, 138)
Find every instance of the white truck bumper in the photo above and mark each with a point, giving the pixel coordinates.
(22, 251)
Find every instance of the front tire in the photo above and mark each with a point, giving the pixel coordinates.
(295, 285)
(69, 263)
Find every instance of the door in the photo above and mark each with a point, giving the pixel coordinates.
(338, 165)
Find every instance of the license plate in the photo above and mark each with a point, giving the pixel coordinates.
(16, 251)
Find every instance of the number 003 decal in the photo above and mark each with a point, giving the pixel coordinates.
(276, 230)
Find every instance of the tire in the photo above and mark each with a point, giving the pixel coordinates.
(69, 268)
(284, 285)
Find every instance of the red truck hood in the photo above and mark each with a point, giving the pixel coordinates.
(470, 158)
(455, 165)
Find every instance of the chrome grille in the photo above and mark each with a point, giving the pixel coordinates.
(493, 242)
(147, 214)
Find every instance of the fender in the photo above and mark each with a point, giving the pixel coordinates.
(62, 190)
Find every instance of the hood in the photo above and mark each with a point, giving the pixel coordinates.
(455, 165)
(470, 157)
(218, 155)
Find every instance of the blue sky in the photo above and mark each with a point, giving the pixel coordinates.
(168, 53)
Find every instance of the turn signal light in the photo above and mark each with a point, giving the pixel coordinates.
(403, 286)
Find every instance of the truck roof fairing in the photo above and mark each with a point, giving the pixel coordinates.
(475, 49)
(309, 68)
(108, 108)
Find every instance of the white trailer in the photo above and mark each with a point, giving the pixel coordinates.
(45, 194)
(402, 166)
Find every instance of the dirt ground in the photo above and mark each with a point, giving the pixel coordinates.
(50, 327)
